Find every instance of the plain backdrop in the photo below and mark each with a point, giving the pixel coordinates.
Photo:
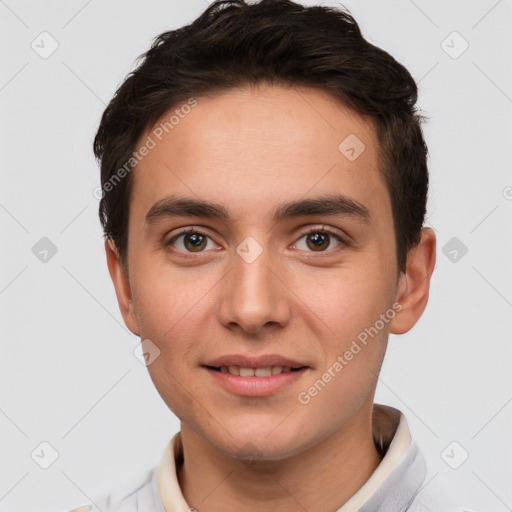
(68, 373)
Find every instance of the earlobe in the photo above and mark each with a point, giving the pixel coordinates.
(414, 283)
(122, 287)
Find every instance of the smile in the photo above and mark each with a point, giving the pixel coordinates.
(264, 381)
(267, 371)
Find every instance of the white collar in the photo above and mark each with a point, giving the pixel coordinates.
(396, 443)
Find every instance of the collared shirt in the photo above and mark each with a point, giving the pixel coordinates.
(397, 484)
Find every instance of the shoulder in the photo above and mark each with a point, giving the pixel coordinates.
(433, 498)
(144, 496)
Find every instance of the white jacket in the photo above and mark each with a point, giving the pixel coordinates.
(397, 485)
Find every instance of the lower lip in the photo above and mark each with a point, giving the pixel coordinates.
(256, 386)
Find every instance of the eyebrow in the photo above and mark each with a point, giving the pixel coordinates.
(337, 204)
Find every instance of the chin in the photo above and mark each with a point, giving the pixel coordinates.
(260, 439)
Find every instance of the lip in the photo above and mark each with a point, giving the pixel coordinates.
(256, 386)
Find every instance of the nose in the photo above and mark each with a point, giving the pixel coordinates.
(254, 296)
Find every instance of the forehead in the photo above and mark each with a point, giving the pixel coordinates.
(255, 146)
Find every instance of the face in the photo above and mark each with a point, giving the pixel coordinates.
(260, 252)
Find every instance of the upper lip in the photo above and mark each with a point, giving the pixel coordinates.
(263, 361)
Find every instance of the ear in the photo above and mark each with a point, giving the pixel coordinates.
(414, 283)
(122, 286)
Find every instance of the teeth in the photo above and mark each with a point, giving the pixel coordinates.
(263, 372)
(234, 370)
(268, 371)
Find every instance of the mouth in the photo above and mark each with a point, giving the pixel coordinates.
(265, 371)
(255, 377)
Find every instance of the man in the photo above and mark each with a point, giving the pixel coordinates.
(265, 183)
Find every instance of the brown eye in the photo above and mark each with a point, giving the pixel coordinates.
(191, 241)
(318, 241)
(194, 242)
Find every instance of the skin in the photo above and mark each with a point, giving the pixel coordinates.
(250, 150)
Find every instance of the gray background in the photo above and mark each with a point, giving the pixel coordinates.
(68, 373)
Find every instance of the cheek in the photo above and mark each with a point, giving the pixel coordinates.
(167, 300)
(169, 311)
(344, 301)
(353, 353)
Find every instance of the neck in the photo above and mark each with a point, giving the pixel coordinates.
(323, 477)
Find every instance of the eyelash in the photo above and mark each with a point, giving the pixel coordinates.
(322, 230)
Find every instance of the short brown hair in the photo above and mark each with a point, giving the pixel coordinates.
(234, 44)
